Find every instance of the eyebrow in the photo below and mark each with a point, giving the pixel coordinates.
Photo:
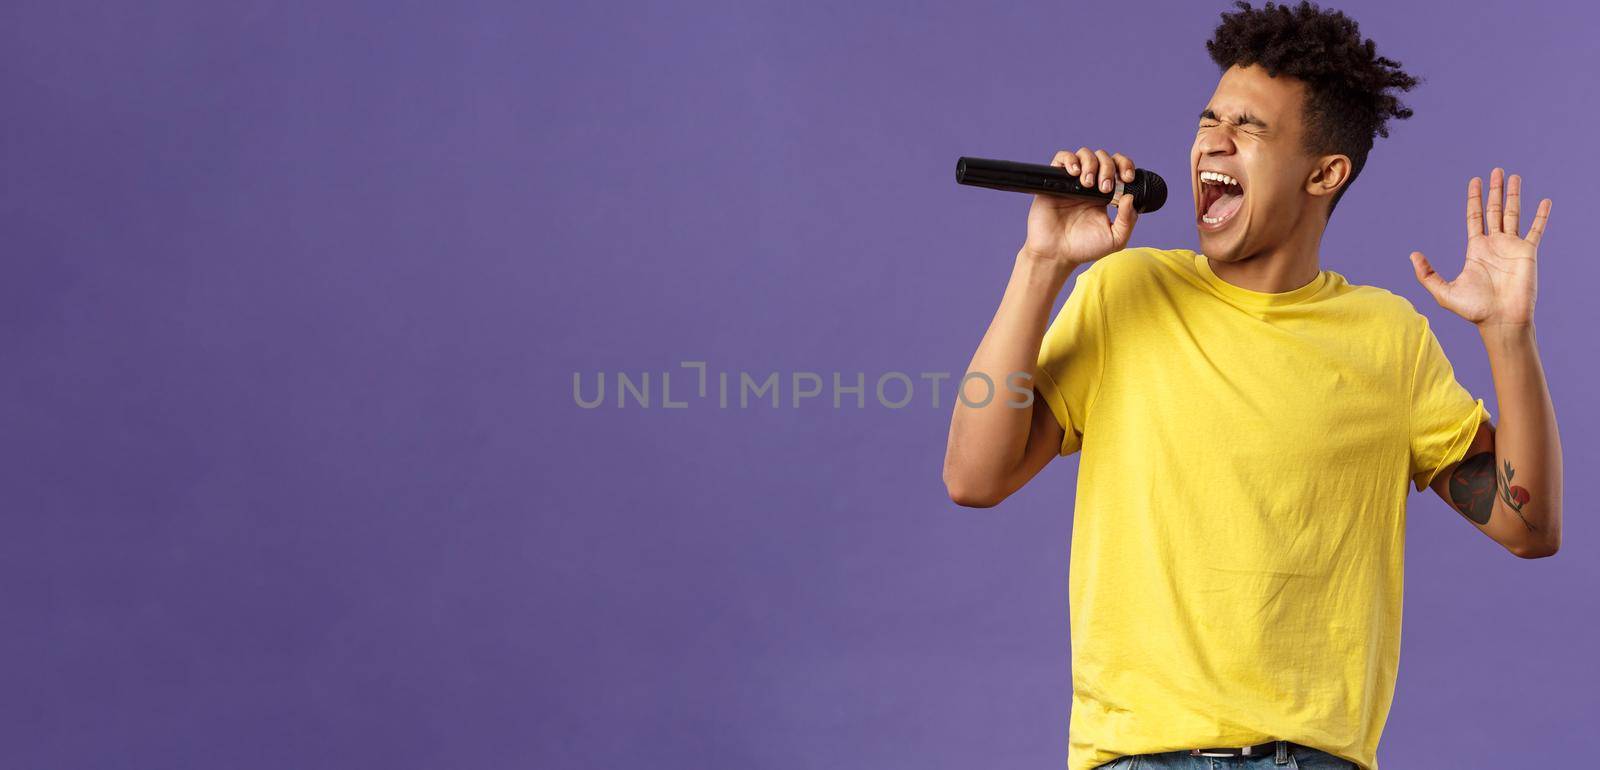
(1243, 117)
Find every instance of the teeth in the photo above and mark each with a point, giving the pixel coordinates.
(1213, 176)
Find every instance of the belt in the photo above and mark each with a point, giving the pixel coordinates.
(1257, 750)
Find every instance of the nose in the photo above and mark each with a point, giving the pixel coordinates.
(1216, 141)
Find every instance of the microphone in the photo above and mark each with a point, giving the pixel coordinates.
(1149, 190)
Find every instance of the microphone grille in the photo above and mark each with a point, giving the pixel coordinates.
(1150, 191)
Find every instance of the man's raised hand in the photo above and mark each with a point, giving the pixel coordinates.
(1499, 281)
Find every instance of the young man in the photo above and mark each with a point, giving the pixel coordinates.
(1249, 421)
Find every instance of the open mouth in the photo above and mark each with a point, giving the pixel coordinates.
(1221, 197)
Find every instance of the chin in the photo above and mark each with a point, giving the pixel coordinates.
(1217, 246)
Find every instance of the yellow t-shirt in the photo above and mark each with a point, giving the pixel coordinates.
(1238, 539)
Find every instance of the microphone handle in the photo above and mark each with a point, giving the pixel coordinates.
(1148, 189)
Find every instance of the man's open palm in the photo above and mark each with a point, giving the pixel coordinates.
(1498, 282)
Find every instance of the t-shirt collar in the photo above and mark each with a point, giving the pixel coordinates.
(1258, 298)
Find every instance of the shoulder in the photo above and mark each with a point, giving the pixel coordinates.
(1386, 308)
(1143, 258)
(1136, 265)
(1410, 337)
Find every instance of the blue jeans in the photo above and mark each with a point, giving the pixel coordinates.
(1299, 758)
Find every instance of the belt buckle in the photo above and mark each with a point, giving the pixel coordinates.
(1243, 751)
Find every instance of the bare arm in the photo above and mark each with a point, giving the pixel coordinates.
(1008, 433)
(995, 448)
(1509, 483)
(1527, 447)
(1496, 291)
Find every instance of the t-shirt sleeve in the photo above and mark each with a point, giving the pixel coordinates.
(1444, 415)
(1072, 358)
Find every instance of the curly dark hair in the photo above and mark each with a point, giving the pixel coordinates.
(1346, 81)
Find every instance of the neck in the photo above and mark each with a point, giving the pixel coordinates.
(1284, 266)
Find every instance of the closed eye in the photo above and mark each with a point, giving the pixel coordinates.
(1237, 127)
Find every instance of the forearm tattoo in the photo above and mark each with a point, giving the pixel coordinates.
(1473, 487)
(1514, 497)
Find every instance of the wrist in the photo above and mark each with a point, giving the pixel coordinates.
(1506, 333)
(1496, 327)
(1033, 265)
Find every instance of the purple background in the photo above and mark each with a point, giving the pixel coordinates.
(294, 294)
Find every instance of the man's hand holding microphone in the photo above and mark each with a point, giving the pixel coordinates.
(1075, 231)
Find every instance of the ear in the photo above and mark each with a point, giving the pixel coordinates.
(1328, 175)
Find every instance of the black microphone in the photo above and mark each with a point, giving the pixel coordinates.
(1149, 190)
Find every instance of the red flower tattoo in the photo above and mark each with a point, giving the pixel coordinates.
(1514, 496)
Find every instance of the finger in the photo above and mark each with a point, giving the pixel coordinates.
(1491, 223)
(1085, 170)
(1474, 208)
(1540, 217)
(1513, 205)
(1122, 227)
(1107, 176)
(1430, 279)
(1066, 159)
(1124, 167)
